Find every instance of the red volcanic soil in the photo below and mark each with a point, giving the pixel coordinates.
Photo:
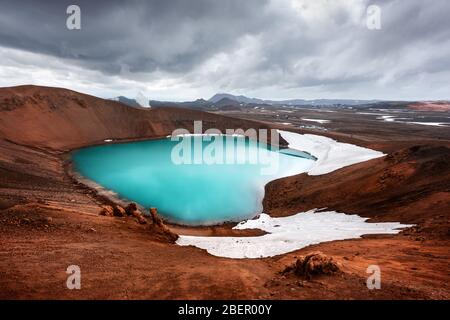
(48, 221)
(438, 106)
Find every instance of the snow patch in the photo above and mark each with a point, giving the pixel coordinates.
(395, 119)
(387, 118)
(434, 124)
(321, 121)
(331, 155)
(288, 234)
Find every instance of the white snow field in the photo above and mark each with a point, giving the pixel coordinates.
(289, 234)
(331, 155)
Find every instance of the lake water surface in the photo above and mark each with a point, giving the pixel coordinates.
(192, 194)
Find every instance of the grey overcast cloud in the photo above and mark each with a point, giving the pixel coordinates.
(272, 49)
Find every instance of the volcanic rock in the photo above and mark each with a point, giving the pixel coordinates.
(155, 217)
(315, 263)
(119, 211)
(131, 208)
(139, 216)
(161, 227)
(107, 211)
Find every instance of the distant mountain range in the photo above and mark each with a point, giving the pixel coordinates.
(241, 99)
(226, 101)
(291, 102)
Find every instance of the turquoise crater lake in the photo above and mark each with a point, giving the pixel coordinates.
(190, 194)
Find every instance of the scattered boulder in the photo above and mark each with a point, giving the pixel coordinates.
(315, 263)
(155, 217)
(107, 211)
(139, 216)
(131, 208)
(119, 211)
(158, 227)
(161, 227)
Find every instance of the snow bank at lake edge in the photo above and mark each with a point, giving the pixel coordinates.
(331, 155)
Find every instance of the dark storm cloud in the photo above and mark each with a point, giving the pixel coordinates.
(268, 48)
(137, 35)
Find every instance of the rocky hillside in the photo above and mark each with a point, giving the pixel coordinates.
(62, 119)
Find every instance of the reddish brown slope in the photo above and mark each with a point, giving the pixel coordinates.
(62, 119)
(437, 106)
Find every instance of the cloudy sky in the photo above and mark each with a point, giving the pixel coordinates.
(273, 49)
